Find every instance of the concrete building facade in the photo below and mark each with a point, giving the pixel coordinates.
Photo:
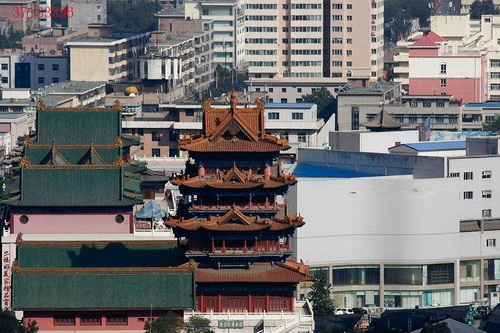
(85, 12)
(31, 70)
(335, 39)
(401, 241)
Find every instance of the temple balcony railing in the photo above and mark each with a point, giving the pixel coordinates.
(281, 251)
(286, 321)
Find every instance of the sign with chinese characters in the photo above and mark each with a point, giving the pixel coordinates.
(230, 324)
(6, 280)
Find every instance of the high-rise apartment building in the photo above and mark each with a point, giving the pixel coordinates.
(310, 38)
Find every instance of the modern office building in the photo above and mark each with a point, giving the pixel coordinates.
(425, 236)
(297, 39)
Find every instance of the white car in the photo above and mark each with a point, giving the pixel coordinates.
(343, 311)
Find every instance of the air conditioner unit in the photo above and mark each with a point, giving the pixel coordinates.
(373, 21)
(373, 33)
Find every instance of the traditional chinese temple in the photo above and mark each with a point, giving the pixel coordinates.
(234, 217)
(75, 264)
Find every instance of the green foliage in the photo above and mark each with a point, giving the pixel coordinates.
(11, 39)
(482, 7)
(327, 104)
(399, 14)
(133, 16)
(320, 295)
(494, 126)
(441, 327)
(10, 324)
(169, 323)
(198, 324)
(225, 81)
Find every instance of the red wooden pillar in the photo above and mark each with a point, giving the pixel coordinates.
(219, 303)
(213, 246)
(267, 202)
(255, 248)
(250, 305)
(202, 304)
(268, 301)
(278, 248)
(267, 246)
(245, 249)
(223, 246)
(201, 172)
(288, 243)
(292, 304)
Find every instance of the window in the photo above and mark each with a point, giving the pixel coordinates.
(486, 174)
(189, 113)
(5, 80)
(301, 137)
(486, 194)
(440, 104)
(283, 90)
(426, 104)
(355, 118)
(486, 213)
(299, 90)
(90, 319)
(442, 68)
(356, 275)
(155, 136)
(443, 82)
(173, 136)
(455, 174)
(155, 152)
(467, 195)
(64, 320)
(273, 115)
(117, 319)
(5, 67)
(41, 80)
(439, 119)
(55, 67)
(409, 275)
(412, 119)
(468, 175)
(297, 115)
(55, 80)
(271, 89)
(492, 242)
(41, 67)
(284, 101)
(349, 6)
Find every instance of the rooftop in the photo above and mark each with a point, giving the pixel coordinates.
(289, 105)
(378, 88)
(71, 87)
(435, 145)
(11, 115)
(483, 105)
(304, 170)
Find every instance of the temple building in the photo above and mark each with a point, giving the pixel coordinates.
(70, 259)
(236, 223)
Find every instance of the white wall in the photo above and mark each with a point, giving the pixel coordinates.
(377, 219)
(455, 67)
(379, 142)
(472, 208)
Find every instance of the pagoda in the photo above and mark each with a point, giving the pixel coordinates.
(233, 215)
(71, 262)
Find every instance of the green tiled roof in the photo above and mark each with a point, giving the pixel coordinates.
(114, 254)
(73, 156)
(78, 127)
(72, 187)
(105, 290)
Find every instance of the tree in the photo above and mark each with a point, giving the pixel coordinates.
(198, 324)
(225, 81)
(133, 16)
(494, 126)
(10, 324)
(320, 295)
(399, 13)
(327, 104)
(482, 7)
(169, 323)
(441, 327)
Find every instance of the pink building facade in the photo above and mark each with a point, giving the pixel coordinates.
(437, 68)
